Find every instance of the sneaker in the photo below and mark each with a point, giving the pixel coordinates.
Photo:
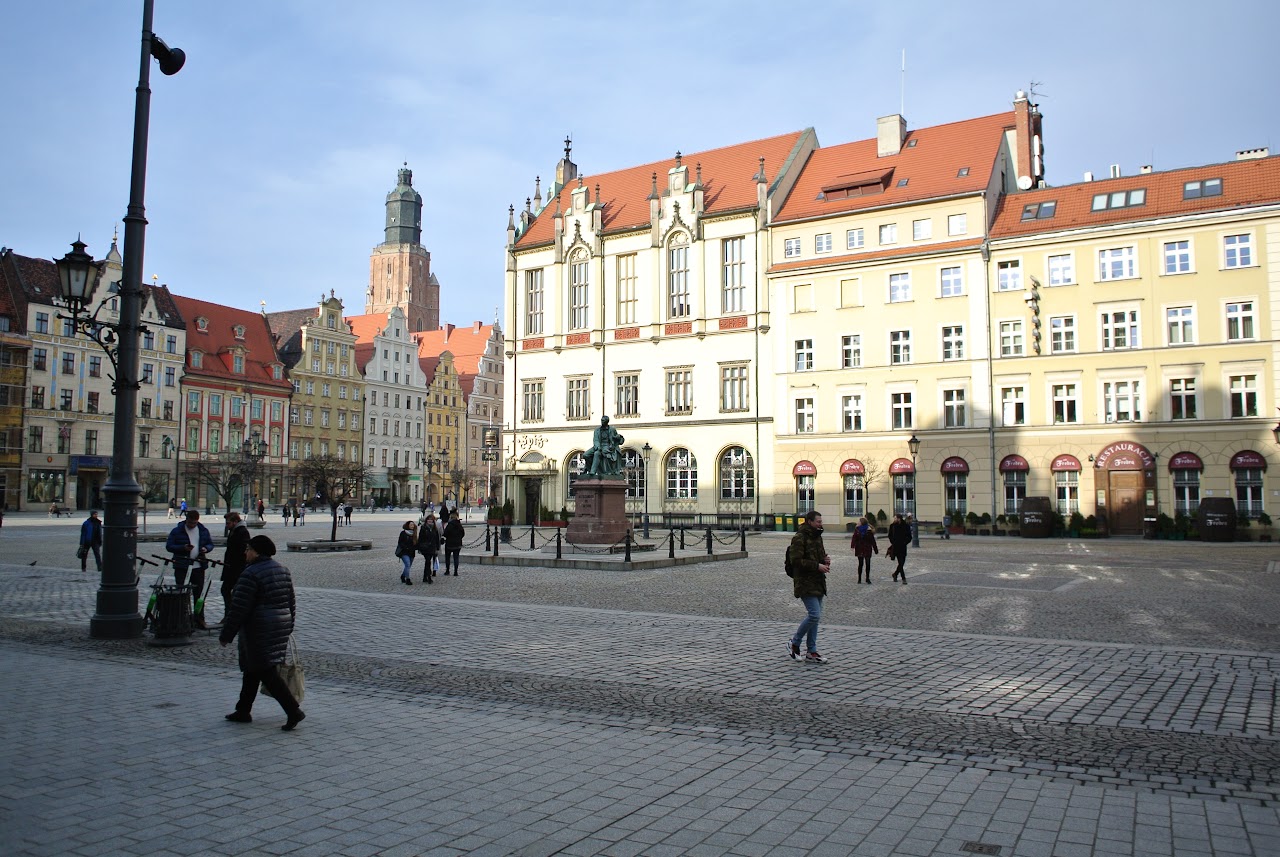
(793, 651)
(814, 658)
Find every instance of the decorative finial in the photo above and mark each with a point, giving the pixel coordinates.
(597, 193)
(528, 205)
(511, 217)
(653, 194)
(568, 146)
(580, 181)
(677, 159)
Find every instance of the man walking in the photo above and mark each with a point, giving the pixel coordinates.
(190, 544)
(453, 535)
(234, 559)
(809, 564)
(91, 540)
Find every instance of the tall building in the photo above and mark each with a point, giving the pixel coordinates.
(447, 477)
(395, 407)
(326, 414)
(70, 404)
(640, 295)
(15, 357)
(234, 390)
(400, 267)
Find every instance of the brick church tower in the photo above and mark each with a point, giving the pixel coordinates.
(400, 267)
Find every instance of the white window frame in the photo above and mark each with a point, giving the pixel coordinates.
(953, 342)
(1240, 318)
(735, 390)
(1117, 263)
(1119, 320)
(1237, 251)
(1009, 275)
(922, 230)
(1177, 257)
(899, 347)
(1119, 397)
(733, 275)
(628, 300)
(1013, 405)
(957, 224)
(852, 412)
(1180, 325)
(851, 351)
(1064, 403)
(1061, 269)
(900, 287)
(579, 294)
(822, 243)
(791, 248)
(804, 355)
(951, 281)
(534, 302)
(1183, 388)
(955, 408)
(888, 233)
(679, 391)
(855, 239)
(806, 421)
(578, 398)
(1012, 337)
(1062, 334)
(533, 401)
(901, 410)
(626, 394)
(679, 295)
(1242, 394)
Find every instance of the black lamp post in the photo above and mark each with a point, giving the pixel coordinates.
(644, 456)
(1276, 431)
(914, 445)
(253, 452)
(438, 460)
(116, 615)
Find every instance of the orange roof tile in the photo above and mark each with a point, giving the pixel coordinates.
(1244, 184)
(726, 180)
(931, 167)
(878, 255)
(467, 344)
(219, 338)
(366, 327)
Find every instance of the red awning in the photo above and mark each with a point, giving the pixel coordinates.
(1065, 462)
(1248, 460)
(1186, 461)
(902, 465)
(955, 464)
(804, 468)
(852, 467)
(1013, 462)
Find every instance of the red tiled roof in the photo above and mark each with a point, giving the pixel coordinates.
(467, 344)
(219, 339)
(931, 166)
(286, 327)
(1244, 184)
(366, 327)
(878, 255)
(726, 179)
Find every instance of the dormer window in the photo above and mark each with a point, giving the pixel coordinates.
(238, 330)
(1040, 210)
(331, 321)
(1206, 187)
(277, 372)
(202, 324)
(964, 171)
(237, 363)
(1120, 199)
(858, 184)
(197, 359)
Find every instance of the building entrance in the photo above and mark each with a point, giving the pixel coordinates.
(532, 500)
(1125, 502)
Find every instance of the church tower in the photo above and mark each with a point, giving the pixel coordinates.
(400, 267)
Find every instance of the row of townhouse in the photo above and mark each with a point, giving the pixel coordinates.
(390, 389)
(791, 316)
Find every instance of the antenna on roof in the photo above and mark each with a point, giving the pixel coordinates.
(1031, 91)
(902, 100)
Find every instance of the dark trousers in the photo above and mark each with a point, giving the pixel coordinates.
(269, 676)
(864, 562)
(97, 557)
(197, 569)
(451, 552)
(900, 552)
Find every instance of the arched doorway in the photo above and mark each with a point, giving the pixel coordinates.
(1125, 478)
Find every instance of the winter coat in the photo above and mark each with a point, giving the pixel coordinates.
(91, 532)
(178, 544)
(453, 534)
(405, 544)
(864, 541)
(429, 540)
(233, 560)
(900, 534)
(262, 612)
(807, 553)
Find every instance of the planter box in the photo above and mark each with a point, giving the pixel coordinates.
(997, 532)
(969, 532)
(552, 524)
(984, 532)
(1015, 532)
(956, 531)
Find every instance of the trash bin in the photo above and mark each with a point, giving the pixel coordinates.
(1216, 519)
(172, 617)
(1037, 518)
(505, 535)
(1148, 528)
(791, 523)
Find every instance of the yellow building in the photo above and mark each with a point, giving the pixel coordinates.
(446, 408)
(326, 411)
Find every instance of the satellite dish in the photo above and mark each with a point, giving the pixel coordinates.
(1024, 182)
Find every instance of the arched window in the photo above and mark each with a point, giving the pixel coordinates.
(678, 303)
(682, 475)
(574, 467)
(637, 479)
(853, 495)
(737, 474)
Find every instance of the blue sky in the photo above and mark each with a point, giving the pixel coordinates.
(271, 152)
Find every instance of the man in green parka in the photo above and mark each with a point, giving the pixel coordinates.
(810, 563)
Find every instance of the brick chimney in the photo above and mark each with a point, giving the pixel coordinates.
(1028, 146)
(891, 133)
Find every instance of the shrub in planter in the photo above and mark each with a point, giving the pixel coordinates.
(1076, 523)
(508, 511)
(972, 519)
(881, 517)
(1164, 526)
(1264, 520)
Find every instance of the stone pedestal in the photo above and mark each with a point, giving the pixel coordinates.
(600, 512)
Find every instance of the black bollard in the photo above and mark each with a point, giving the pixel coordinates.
(558, 554)
(487, 546)
(708, 541)
(495, 540)
(671, 545)
(646, 525)
(532, 545)
(682, 538)
(743, 533)
(627, 557)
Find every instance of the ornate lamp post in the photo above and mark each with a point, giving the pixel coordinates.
(253, 452)
(116, 615)
(645, 451)
(438, 460)
(914, 445)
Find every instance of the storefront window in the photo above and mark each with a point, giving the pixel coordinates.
(46, 486)
(853, 496)
(1067, 483)
(1015, 490)
(804, 493)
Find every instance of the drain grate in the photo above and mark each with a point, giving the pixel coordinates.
(980, 848)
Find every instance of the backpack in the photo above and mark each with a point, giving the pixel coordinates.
(786, 564)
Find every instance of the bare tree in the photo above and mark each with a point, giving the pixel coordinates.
(333, 481)
(872, 472)
(154, 484)
(223, 472)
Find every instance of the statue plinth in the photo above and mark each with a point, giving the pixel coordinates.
(600, 512)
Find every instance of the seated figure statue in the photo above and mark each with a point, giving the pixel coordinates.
(604, 458)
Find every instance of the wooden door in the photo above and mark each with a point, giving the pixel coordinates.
(1125, 502)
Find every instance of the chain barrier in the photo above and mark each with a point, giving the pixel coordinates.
(688, 540)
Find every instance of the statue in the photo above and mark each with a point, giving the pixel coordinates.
(604, 458)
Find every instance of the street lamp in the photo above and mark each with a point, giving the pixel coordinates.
(116, 615)
(253, 452)
(167, 444)
(438, 460)
(914, 445)
(644, 455)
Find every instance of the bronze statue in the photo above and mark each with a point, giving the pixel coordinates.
(604, 458)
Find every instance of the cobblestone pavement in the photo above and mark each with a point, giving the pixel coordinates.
(1045, 698)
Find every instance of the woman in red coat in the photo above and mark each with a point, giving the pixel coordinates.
(864, 545)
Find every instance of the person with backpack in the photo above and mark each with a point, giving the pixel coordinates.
(809, 564)
(864, 545)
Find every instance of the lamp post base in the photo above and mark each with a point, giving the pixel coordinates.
(116, 627)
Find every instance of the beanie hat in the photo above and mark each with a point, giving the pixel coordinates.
(263, 546)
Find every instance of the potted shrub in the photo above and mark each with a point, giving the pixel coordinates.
(1242, 529)
(881, 520)
(1001, 521)
(1264, 520)
(494, 516)
(508, 511)
(1164, 526)
(1014, 524)
(984, 521)
(1075, 524)
(957, 522)
(971, 520)
(1181, 526)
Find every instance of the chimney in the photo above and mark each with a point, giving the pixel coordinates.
(1028, 145)
(1251, 154)
(1145, 168)
(891, 132)
(1115, 171)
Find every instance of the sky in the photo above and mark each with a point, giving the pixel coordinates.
(272, 151)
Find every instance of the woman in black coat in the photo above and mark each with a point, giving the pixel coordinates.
(261, 613)
(429, 547)
(899, 538)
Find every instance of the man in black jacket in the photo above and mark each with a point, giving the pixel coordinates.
(233, 560)
(810, 563)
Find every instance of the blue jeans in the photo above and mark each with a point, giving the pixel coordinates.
(407, 559)
(809, 627)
